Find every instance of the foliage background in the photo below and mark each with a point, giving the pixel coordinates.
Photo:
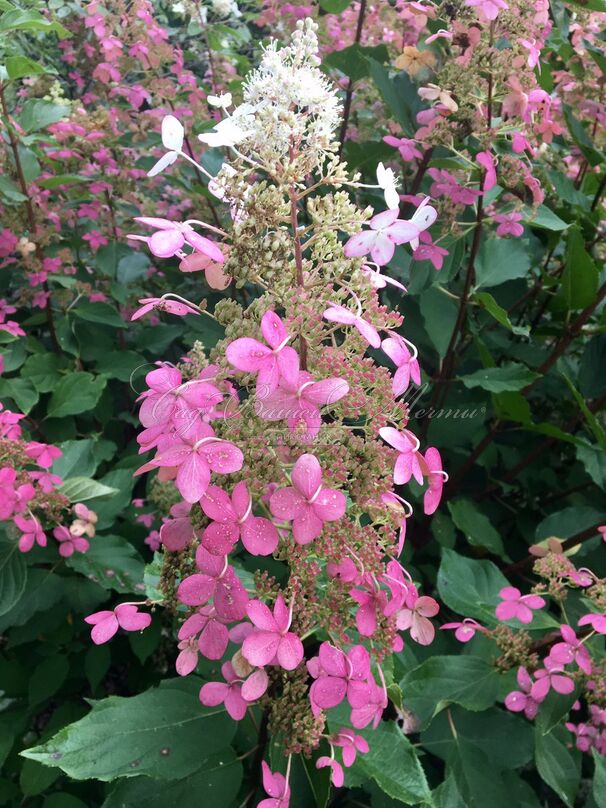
(523, 431)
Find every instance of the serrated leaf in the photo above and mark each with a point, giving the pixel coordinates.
(76, 393)
(475, 525)
(158, 733)
(112, 562)
(558, 766)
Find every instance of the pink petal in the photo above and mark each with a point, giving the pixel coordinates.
(369, 332)
(222, 457)
(383, 249)
(339, 314)
(260, 647)
(219, 538)
(216, 504)
(307, 475)
(284, 503)
(328, 691)
(273, 329)
(196, 589)
(259, 536)
(205, 245)
(213, 693)
(327, 391)
(193, 477)
(213, 640)
(247, 354)
(330, 505)
(255, 686)
(165, 243)
(332, 660)
(360, 244)
(290, 651)
(130, 619)
(104, 630)
(307, 526)
(234, 703)
(261, 615)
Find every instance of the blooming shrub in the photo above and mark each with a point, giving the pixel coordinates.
(302, 379)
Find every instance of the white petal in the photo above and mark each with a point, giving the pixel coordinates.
(166, 160)
(172, 133)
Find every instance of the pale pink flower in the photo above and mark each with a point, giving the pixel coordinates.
(508, 224)
(465, 630)
(595, 620)
(415, 616)
(212, 637)
(164, 303)
(271, 642)
(307, 503)
(170, 237)
(396, 348)
(351, 744)
(32, 533)
(436, 478)
(488, 9)
(408, 148)
(407, 463)
(487, 161)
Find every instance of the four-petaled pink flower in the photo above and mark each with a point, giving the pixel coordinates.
(415, 616)
(272, 361)
(571, 650)
(509, 224)
(386, 231)
(32, 533)
(42, 453)
(170, 237)
(516, 605)
(276, 787)
(234, 519)
(69, 543)
(307, 504)
(217, 580)
(351, 744)
(521, 700)
(203, 631)
(235, 693)
(596, 621)
(338, 674)
(163, 303)
(106, 623)
(551, 676)
(271, 642)
(196, 454)
(436, 478)
(340, 314)
(298, 402)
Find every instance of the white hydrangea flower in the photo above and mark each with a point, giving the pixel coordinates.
(226, 8)
(172, 140)
(386, 180)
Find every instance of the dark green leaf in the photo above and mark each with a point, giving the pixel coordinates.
(13, 574)
(76, 393)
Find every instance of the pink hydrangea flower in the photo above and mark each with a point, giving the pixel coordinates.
(509, 224)
(488, 9)
(272, 361)
(465, 630)
(106, 623)
(164, 303)
(233, 519)
(596, 621)
(397, 349)
(372, 711)
(521, 700)
(299, 402)
(516, 605)
(436, 478)
(204, 631)
(487, 161)
(415, 616)
(341, 314)
(32, 533)
(271, 642)
(217, 580)
(338, 675)
(234, 692)
(387, 231)
(407, 463)
(551, 676)
(276, 787)
(428, 251)
(170, 237)
(42, 453)
(307, 503)
(571, 650)
(69, 543)
(351, 744)
(336, 774)
(408, 148)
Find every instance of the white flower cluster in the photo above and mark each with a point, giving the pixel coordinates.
(225, 8)
(295, 109)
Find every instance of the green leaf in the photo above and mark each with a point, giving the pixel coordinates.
(30, 20)
(9, 191)
(112, 562)
(400, 95)
(471, 588)
(217, 782)
(43, 371)
(132, 267)
(439, 315)
(59, 180)
(487, 301)
(599, 779)
(580, 278)
(81, 489)
(158, 733)
(38, 114)
(99, 312)
(553, 709)
(592, 373)
(511, 376)
(353, 60)
(467, 680)
(47, 678)
(13, 574)
(580, 136)
(558, 766)
(77, 457)
(334, 6)
(76, 393)
(568, 522)
(543, 218)
(22, 391)
(475, 525)
(18, 67)
(592, 422)
(122, 365)
(391, 762)
(500, 260)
